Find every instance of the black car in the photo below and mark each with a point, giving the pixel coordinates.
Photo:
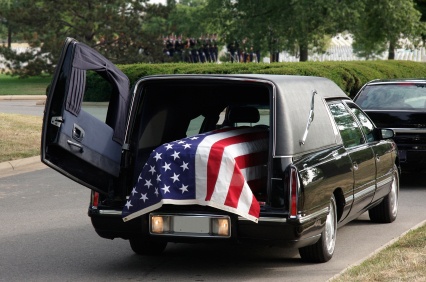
(399, 104)
(272, 159)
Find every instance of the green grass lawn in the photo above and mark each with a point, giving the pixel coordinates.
(23, 86)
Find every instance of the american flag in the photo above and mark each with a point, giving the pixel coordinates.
(218, 169)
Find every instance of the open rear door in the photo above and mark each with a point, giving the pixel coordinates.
(75, 143)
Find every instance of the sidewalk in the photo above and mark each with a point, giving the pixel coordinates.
(18, 163)
(14, 167)
(23, 97)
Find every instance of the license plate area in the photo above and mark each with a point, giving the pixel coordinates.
(190, 225)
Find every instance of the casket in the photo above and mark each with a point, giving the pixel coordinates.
(221, 169)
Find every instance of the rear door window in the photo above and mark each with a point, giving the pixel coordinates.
(367, 125)
(347, 125)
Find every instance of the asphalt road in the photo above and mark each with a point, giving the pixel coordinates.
(46, 235)
(26, 107)
(36, 108)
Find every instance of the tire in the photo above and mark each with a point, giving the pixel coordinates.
(323, 249)
(387, 210)
(147, 247)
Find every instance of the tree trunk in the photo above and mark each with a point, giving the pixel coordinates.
(391, 55)
(303, 53)
(9, 36)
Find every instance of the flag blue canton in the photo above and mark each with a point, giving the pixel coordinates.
(168, 174)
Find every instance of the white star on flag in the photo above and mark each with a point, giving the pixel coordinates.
(184, 188)
(144, 197)
(175, 155)
(166, 189)
(175, 177)
(157, 156)
(186, 146)
(166, 166)
(184, 166)
(148, 183)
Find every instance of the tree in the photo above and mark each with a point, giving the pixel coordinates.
(421, 6)
(188, 18)
(113, 27)
(293, 25)
(382, 25)
(6, 25)
(246, 24)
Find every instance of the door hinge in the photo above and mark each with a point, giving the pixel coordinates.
(126, 147)
(57, 121)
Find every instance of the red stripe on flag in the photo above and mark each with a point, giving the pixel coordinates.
(235, 188)
(255, 207)
(216, 153)
(252, 159)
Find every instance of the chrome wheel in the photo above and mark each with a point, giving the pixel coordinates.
(330, 228)
(387, 210)
(323, 249)
(393, 198)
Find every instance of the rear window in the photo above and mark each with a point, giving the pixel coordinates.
(179, 109)
(404, 96)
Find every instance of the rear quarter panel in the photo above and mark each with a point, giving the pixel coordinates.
(322, 173)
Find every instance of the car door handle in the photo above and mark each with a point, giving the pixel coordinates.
(355, 165)
(75, 145)
(77, 132)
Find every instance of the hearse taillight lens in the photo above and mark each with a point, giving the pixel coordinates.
(95, 200)
(294, 187)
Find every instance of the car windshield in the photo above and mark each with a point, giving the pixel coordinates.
(403, 96)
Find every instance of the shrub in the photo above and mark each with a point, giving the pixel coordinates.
(349, 75)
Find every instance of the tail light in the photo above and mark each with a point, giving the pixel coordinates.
(95, 200)
(294, 187)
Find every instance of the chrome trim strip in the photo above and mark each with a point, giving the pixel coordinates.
(365, 191)
(314, 215)
(385, 181)
(409, 130)
(266, 219)
(337, 146)
(310, 119)
(348, 199)
(109, 212)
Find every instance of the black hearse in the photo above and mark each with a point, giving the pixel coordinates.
(273, 159)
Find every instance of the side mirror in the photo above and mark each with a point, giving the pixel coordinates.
(387, 133)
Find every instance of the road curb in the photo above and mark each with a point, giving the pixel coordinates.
(22, 97)
(378, 250)
(15, 164)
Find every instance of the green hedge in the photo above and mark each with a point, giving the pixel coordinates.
(350, 76)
